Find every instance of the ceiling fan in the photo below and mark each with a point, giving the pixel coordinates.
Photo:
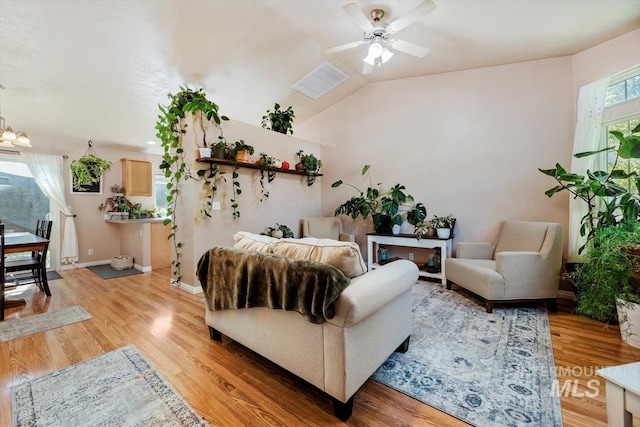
(381, 45)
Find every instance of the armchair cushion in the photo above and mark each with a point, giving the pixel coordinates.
(325, 228)
(474, 250)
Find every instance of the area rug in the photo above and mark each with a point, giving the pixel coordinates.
(487, 369)
(12, 329)
(119, 388)
(53, 275)
(107, 272)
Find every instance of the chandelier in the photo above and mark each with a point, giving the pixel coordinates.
(9, 137)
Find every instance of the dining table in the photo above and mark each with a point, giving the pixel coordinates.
(26, 242)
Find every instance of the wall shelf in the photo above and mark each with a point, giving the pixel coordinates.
(271, 172)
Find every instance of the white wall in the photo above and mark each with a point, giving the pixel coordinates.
(467, 143)
(290, 198)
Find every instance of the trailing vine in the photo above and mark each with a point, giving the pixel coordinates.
(170, 130)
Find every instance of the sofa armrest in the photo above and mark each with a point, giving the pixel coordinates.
(368, 293)
(474, 250)
(345, 237)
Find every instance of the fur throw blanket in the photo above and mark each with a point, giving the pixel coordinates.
(234, 278)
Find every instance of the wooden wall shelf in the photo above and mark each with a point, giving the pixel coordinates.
(271, 172)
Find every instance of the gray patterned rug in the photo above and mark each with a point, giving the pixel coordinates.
(12, 329)
(119, 388)
(485, 369)
(105, 271)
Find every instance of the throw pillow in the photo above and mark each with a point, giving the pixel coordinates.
(253, 242)
(345, 256)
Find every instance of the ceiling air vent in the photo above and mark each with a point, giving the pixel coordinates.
(320, 81)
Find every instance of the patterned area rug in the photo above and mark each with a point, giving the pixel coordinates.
(119, 388)
(106, 272)
(12, 329)
(486, 369)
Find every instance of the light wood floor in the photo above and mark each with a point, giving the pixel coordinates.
(232, 386)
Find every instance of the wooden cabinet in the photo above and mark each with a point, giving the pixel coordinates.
(160, 245)
(137, 177)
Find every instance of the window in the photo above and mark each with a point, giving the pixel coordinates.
(623, 88)
(162, 192)
(627, 165)
(22, 202)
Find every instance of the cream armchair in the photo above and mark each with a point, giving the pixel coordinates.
(522, 264)
(325, 228)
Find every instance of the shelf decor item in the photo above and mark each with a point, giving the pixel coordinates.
(87, 172)
(280, 120)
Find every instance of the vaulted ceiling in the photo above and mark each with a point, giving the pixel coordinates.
(80, 70)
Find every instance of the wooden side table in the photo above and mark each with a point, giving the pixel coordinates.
(623, 393)
(409, 240)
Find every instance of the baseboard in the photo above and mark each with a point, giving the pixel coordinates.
(187, 287)
(570, 295)
(84, 264)
(141, 268)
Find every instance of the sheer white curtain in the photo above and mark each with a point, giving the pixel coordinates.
(47, 172)
(588, 137)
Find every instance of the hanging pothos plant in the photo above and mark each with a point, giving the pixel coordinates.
(171, 129)
(88, 169)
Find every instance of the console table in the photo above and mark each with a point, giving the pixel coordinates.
(409, 240)
(623, 393)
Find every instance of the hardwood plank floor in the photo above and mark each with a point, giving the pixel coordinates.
(232, 386)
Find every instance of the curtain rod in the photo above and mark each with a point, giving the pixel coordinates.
(17, 153)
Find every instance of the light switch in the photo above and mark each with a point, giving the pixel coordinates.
(215, 206)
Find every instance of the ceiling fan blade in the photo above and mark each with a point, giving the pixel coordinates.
(367, 69)
(357, 15)
(410, 48)
(410, 17)
(343, 47)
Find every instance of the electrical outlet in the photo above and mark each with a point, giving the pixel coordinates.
(410, 256)
(215, 206)
(90, 252)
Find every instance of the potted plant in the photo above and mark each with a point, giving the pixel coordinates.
(309, 163)
(444, 225)
(88, 170)
(219, 149)
(608, 202)
(608, 284)
(117, 204)
(383, 206)
(280, 120)
(241, 151)
(269, 164)
(279, 231)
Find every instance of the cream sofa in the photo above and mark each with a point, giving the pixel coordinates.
(372, 319)
(522, 264)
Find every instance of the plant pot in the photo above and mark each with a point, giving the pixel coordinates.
(629, 319)
(218, 153)
(204, 152)
(385, 225)
(299, 167)
(280, 128)
(396, 229)
(443, 233)
(431, 232)
(242, 156)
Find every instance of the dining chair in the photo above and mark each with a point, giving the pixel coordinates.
(37, 262)
(1, 271)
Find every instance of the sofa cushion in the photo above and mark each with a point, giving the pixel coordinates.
(345, 256)
(253, 242)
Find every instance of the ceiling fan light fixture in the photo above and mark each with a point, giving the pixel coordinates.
(375, 50)
(370, 60)
(386, 55)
